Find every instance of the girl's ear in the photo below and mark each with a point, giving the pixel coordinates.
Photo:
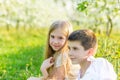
(90, 51)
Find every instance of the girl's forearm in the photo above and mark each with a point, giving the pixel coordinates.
(45, 73)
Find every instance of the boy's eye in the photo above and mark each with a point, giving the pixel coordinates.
(68, 47)
(75, 48)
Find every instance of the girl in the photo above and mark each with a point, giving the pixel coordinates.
(57, 64)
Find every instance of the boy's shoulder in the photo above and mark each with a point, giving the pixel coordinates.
(102, 63)
(101, 59)
(105, 68)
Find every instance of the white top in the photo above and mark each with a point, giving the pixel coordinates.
(99, 69)
(63, 59)
(60, 59)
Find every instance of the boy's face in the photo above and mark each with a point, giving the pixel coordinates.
(76, 52)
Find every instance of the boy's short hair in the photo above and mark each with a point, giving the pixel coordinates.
(86, 38)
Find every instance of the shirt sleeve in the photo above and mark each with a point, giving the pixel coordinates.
(107, 71)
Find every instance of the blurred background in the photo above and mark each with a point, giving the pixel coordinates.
(24, 25)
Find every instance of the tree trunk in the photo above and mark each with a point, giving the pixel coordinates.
(7, 27)
(17, 24)
(109, 26)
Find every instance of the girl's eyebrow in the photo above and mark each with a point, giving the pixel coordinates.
(51, 34)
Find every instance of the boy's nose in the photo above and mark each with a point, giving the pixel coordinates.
(70, 53)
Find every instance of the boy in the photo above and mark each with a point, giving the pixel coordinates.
(83, 45)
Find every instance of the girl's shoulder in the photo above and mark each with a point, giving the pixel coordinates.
(60, 56)
(63, 56)
(61, 59)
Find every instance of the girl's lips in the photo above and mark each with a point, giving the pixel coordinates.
(56, 46)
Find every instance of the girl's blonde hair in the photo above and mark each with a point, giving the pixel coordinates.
(66, 27)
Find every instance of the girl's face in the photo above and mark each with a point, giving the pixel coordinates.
(76, 52)
(57, 39)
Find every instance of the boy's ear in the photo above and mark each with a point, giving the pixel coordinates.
(90, 51)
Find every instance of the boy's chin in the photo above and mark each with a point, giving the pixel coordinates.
(73, 62)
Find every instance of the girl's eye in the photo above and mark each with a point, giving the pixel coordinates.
(52, 36)
(60, 37)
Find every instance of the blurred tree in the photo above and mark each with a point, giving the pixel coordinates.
(103, 13)
(95, 14)
(5, 13)
(29, 13)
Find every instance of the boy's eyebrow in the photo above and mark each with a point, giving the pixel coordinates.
(75, 47)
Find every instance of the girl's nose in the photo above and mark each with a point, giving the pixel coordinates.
(56, 41)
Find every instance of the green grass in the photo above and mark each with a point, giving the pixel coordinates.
(21, 52)
(109, 48)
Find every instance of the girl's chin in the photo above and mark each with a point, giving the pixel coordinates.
(56, 49)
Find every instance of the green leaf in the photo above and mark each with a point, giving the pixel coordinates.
(82, 6)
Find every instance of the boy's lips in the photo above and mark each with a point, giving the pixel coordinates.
(72, 58)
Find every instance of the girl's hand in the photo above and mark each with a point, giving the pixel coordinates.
(48, 63)
(45, 65)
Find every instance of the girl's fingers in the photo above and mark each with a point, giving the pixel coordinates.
(51, 64)
(47, 63)
(52, 60)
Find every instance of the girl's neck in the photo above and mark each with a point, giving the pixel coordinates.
(56, 53)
